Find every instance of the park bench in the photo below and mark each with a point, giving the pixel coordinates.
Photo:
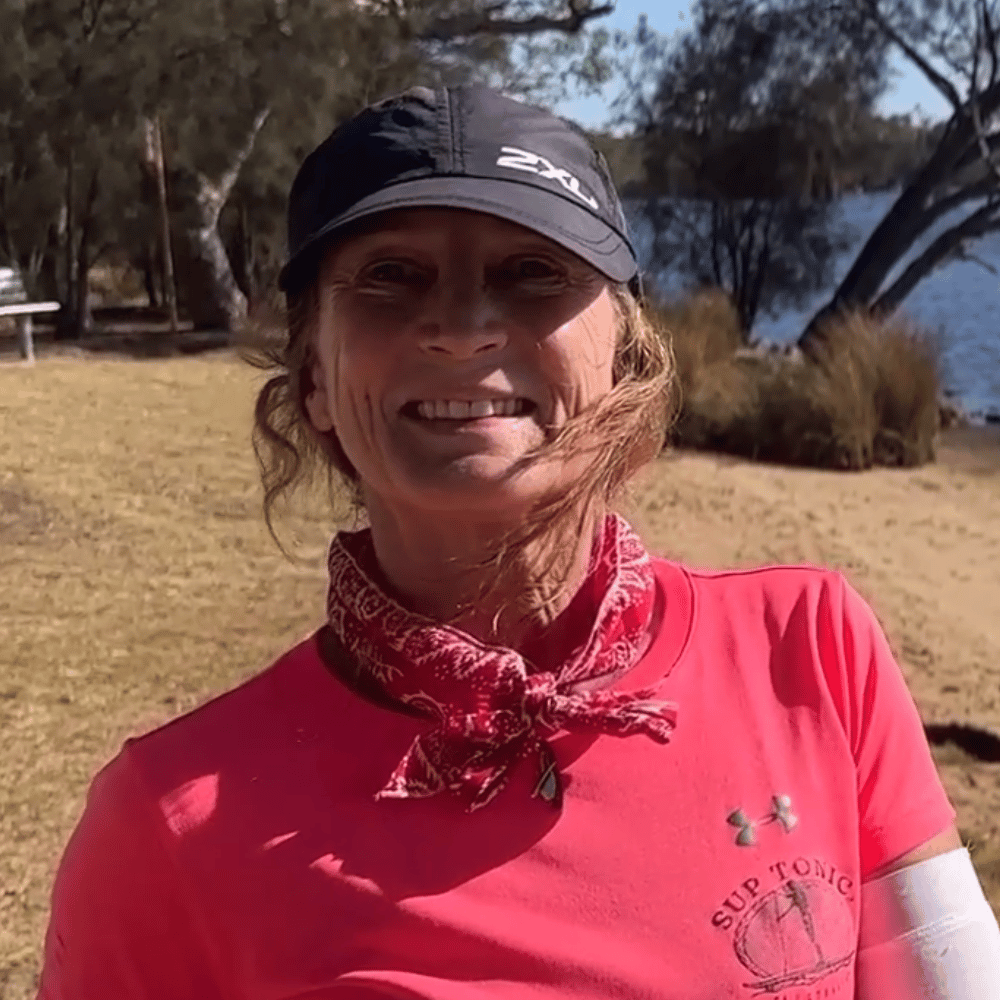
(14, 302)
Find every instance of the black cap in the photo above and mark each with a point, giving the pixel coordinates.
(460, 147)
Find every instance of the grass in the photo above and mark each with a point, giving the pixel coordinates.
(868, 395)
(138, 581)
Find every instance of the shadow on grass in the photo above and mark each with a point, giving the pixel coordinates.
(135, 344)
(137, 332)
(978, 743)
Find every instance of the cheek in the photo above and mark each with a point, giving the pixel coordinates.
(579, 359)
(349, 372)
(361, 376)
(352, 379)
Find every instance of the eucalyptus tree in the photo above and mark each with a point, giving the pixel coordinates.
(750, 114)
(956, 46)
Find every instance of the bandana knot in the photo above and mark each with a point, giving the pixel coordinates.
(488, 709)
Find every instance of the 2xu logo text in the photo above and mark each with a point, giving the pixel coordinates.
(532, 163)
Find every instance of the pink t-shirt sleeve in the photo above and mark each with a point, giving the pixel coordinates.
(901, 801)
(122, 923)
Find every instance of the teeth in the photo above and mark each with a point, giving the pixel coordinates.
(458, 409)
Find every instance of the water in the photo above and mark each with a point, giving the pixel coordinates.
(959, 303)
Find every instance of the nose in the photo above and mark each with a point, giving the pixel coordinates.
(462, 322)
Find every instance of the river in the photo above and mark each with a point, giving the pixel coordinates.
(959, 304)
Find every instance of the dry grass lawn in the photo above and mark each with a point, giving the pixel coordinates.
(138, 580)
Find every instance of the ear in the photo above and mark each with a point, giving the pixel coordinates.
(317, 402)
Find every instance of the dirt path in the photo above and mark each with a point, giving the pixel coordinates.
(922, 545)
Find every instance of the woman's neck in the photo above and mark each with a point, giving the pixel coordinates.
(435, 566)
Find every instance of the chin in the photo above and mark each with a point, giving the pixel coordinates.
(482, 487)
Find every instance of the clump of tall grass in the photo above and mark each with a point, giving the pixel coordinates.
(866, 395)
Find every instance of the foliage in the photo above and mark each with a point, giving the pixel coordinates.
(748, 62)
(870, 397)
(883, 152)
(768, 254)
(766, 104)
(243, 90)
(747, 115)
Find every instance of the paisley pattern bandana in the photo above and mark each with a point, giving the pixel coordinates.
(491, 706)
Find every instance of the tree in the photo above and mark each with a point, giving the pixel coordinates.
(63, 184)
(243, 89)
(342, 61)
(956, 46)
(768, 254)
(749, 114)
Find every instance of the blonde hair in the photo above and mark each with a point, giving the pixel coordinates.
(622, 432)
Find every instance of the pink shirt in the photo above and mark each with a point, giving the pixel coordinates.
(238, 851)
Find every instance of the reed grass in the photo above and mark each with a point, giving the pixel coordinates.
(867, 394)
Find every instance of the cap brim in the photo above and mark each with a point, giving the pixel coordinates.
(563, 221)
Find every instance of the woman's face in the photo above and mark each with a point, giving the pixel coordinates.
(449, 344)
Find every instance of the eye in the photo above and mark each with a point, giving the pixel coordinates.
(532, 272)
(392, 273)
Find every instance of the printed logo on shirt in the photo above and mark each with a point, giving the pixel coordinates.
(781, 812)
(792, 929)
(533, 163)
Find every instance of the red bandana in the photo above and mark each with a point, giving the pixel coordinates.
(485, 701)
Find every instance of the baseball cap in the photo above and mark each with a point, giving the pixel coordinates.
(464, 147)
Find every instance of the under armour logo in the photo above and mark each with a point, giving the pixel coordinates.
(781, 812)
(521, 159)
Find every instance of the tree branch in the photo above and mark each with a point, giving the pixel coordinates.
(977, 124)
(228, 179)
(974, 153)
(944, 247)
(962, 254)
(914, 56)
(980, 189)
(214, 195)
(991, 40)
(445, 29)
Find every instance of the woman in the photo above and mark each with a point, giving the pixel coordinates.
(521, 758)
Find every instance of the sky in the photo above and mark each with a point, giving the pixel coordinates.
(909, 91)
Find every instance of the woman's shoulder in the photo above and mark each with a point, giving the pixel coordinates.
(766, 574)
(231, 733)
(753, 587)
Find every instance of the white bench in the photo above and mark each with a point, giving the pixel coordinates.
(14, 302)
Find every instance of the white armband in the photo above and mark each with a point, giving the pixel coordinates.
(927, 933)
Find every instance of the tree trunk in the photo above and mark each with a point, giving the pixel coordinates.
(929, 196)
(169, 284)
(246, 276)
(48, 273)
(66, 323)
(81, 309)
(147, 264)
(891, 239)
(941, 250)
(212, 296)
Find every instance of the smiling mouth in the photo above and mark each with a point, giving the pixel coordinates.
(461, 410)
